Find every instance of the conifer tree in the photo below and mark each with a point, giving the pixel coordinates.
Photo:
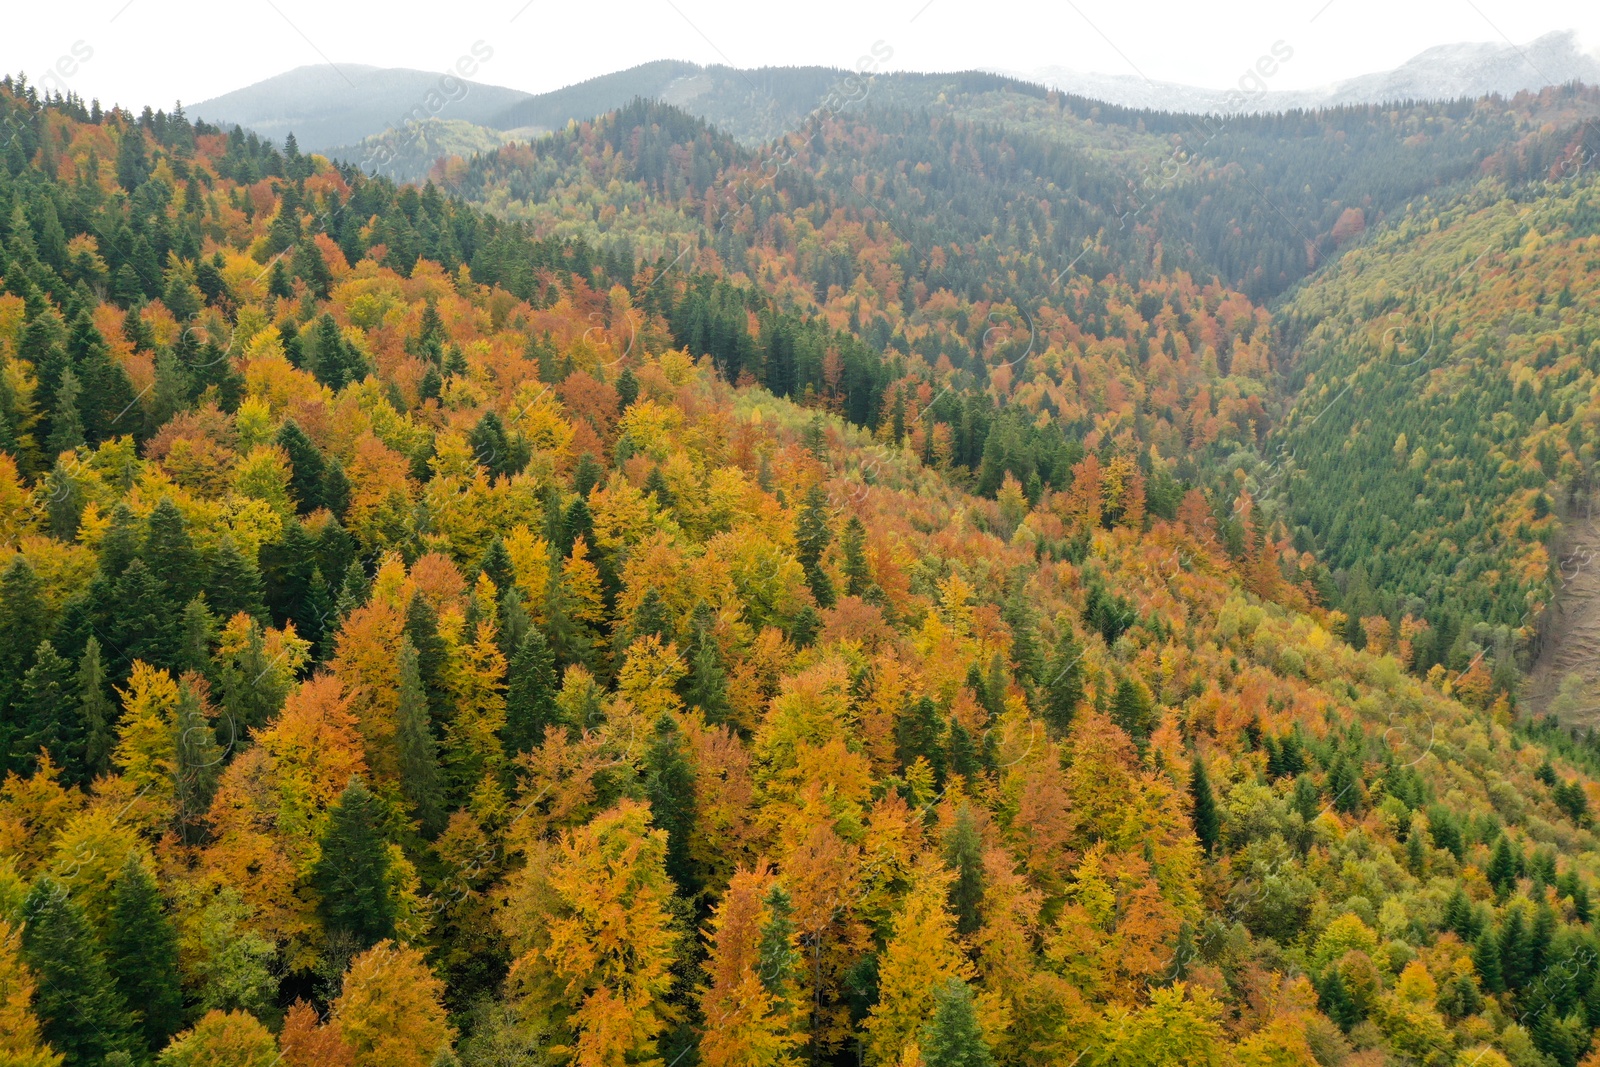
(919, 732)
(531, 696)
(307, 471)
(1131, 710)
(812, 536)
(170, 554)
(21, 1043)
(419, 752)
(352, 872)
(21, 608)
(1502, 872)
(857, 572)
(706, 686)
(1515, 950)
(1063, 689)
(96, 713)
(199, 760)
(45, 717)
(197, 632)
(953, 1038)
(963, 854)
(142, 953)
(1207, 821)
(83, 1016)
(66, 425)
(669, 785)
(1486, 959)
(143, 616)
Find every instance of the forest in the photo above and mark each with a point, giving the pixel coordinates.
(438, 630)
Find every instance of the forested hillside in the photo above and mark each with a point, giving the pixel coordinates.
(425, 639)
(1444, 374)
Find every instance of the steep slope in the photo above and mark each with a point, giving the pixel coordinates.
(405, 645)
(1445, 373)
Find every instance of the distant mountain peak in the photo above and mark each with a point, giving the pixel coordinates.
(1442, 72)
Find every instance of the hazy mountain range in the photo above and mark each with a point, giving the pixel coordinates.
(1445, 72)
(398, 121)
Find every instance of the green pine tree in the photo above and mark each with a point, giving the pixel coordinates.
(669, 785)
(953, 1038)
(1131, 710)
(1515, 950)
(1207, 821)
(96, 713)
(199, 765)
(857, 572)
(45, 717)
(963, 854)
(419, 752)
(307, 470)
(1063, 687)
(778, 958)
(531, 694)
(706, 686)
(170, 554)
(352, 873)
(80, 1011)
(234, 583)
(142, 953)
(66, 426)
(812, 537)
(21, 608)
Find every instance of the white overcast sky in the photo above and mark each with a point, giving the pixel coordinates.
(158, 51)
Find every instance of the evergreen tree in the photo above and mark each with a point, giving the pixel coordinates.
(83, 1016)
(1515, 950)
(857, 572)
(706, 686)
(21, 608)
(953, 1038)
(45, 716)
(963, 854)
(142, 954)
(419, 752)
(307, 471)
(1207, 821)
(199, 760)
(96, 713)
(133, 168)
(66, 425)
(531, 695)
(352, 872)
(234, 584)
(919, 732)
(108, 398)
(1063, 689)
(142, 616)
(197, 632)
(496, 563)
(1131, 710)
(1502, 872)
(353, 590)
(669, 786)
(812, 536)
(1335, 1000)
(1486, 960)
(778, 958)
(170, 554)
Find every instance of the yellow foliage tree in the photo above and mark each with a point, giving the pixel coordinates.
(593, 939)
(922, 954)
(20, 1042)
(391, 1010)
